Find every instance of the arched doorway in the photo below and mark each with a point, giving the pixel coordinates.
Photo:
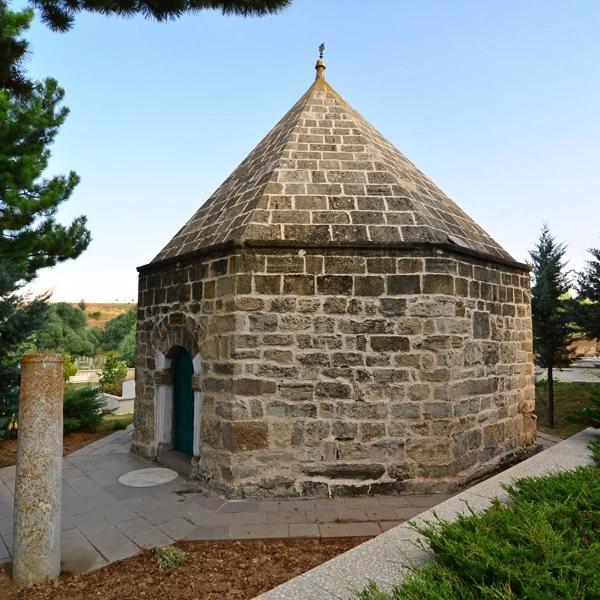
(183, 403)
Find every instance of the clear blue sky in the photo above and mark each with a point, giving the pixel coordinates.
(497, 102)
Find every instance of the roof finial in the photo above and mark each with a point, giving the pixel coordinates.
(320, 66)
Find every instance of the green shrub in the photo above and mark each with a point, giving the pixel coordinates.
(127, 348)
(9, 403)
(83, 408)
(113, 373)
(543, 545)
(66, 331)
(595, 449)
(589, 415)
(168, 557)
(118, 328)
(69, 367)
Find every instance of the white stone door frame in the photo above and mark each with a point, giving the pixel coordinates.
(163, 406)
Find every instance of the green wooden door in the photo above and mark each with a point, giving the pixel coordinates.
(183, 403)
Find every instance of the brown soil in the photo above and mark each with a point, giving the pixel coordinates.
(72, 441)
(214, 571)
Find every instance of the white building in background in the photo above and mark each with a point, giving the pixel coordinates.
(122, 405)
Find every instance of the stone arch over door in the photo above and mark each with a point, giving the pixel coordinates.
(171, 334)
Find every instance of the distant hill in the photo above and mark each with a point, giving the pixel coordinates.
(586, 347)
(100, 313)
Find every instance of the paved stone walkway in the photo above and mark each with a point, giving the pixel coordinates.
(104, 521)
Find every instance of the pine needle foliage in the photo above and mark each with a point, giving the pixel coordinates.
(595, 449)
(60, 14)
(83, 408)
(589, 415)
(543, 545)
(551, 318)
(587, 309)
(13, 49)
(31, 237)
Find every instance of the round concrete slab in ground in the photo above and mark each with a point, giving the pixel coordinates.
(148, 477)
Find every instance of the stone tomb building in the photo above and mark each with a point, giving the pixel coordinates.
(329, 322)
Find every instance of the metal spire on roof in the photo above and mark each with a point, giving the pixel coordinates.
(320, 66)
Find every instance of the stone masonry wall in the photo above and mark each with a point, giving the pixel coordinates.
(337, 372)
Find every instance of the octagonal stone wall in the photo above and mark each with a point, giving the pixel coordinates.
(336, 372)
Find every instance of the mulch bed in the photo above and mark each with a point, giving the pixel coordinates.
(72, 441)
(237, 570)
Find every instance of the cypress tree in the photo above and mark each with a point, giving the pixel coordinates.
(587, 309)
(551, 319)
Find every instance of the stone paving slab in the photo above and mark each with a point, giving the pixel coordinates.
(104, 521)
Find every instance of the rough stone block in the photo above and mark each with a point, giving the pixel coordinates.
(285, 264)
(438, 284)
(240, 436)
(426, 451)
(403, 284)
(381, 265)
(267, 284)
(343, 430)
(300, 285)
(392, 306)
(481, 325)
(345, 471)
(332, 389)
(263, 322)
(369, 286)
(253, 387)
(313, 234)
(334, 285)
(390, 343)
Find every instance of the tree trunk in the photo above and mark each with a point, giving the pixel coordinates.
(550, 398)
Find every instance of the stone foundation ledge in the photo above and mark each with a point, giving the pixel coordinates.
(381, 559)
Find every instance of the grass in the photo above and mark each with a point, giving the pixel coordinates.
(112, 423)
(168, 557)
(567, 398)
(543, 545)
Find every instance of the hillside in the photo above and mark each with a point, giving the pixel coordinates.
(99, 313)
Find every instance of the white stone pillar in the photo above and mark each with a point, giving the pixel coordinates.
(38, 486)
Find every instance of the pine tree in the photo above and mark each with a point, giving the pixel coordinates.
(13, 49)
(551, 319)
(587, 309)
(30, 116)
(60, 15)
(18, 320)
(30, 236)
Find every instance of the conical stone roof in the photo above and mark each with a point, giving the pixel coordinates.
(323, 176)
